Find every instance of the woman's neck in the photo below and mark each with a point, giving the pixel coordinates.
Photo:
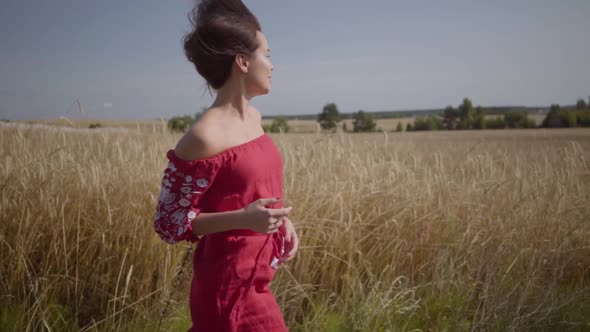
(232, 97)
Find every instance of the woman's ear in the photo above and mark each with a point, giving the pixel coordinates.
(242, 62)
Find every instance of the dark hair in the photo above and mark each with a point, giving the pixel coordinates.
(221, 30)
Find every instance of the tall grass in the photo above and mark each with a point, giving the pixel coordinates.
(456, 231)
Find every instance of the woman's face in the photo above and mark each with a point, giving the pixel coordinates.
(259, 68)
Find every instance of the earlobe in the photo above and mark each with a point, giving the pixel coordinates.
(242, 62)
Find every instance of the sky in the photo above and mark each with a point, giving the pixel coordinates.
(124, 59)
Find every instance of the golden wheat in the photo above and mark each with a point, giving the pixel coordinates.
(470, 230)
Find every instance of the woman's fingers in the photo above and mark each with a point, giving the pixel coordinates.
(275, 225)
(279, 213)
(291, 246)
(274, 216)
(290, 253)
(293, 250)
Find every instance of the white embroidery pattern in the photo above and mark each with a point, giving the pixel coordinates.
(191, 215)
(202, 182)
(174, 212)
(167, 197)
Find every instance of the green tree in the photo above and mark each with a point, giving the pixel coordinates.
(518, 120)
(570, 119)
(583, 118)
(399, 127)
(479, 118)
(279, 124)
(556, 118)
(494, 123)
(329, 117)
(420, 123)
(430, 122)
(180, 123)
(466, 114)
(450, 117)
(434, 122)
(363, 122)
(581, 104)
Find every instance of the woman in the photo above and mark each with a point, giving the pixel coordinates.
(224, 180)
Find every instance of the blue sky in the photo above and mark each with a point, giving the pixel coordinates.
(124, 59)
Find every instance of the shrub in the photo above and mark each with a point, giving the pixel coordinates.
(518, 120)
(494, 123)
(279, 124)
(363, 122)
(180, 123)
(431, 122)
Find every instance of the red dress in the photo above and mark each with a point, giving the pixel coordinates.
(231, 270)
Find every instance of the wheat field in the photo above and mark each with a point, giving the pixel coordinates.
(420, 231)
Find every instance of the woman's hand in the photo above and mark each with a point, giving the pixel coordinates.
(264, 220)
(291, 241)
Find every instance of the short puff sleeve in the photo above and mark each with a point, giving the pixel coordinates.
(183, 185)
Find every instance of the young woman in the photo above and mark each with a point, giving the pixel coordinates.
(224, 183)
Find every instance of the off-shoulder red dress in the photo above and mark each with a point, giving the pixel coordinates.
(232, 270)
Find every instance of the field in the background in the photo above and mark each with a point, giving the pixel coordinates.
(311, 126)
(296, 126)
(432, 231)
(142, 125)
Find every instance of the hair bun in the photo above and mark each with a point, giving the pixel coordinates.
(221, 29)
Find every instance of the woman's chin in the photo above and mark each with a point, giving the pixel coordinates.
(265, 90)
(261, 90)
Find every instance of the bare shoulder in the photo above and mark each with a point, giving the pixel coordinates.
(199, 142)
(214, 133)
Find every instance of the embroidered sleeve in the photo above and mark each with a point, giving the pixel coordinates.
(183, 185)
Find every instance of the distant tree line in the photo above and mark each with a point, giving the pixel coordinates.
(329, 118)
(464, 116)
(560, 118)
